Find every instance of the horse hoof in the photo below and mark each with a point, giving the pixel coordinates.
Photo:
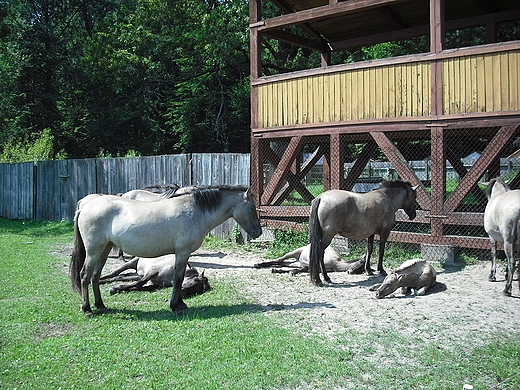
(317, 282)
(113, 291)
(506, 293)
(382, 272)
(492, 279)
(103, 310)
(178, 310)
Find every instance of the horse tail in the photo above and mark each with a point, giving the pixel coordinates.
(315, 237)
(78, 257)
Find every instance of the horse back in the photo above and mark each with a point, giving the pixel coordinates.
(142, 228)
(353, 214)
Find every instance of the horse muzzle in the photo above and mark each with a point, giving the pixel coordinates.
(255, 232)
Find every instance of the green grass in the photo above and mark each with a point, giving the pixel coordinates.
(224, 341)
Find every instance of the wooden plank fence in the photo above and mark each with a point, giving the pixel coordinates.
(49, 190)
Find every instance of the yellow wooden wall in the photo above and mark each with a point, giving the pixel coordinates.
(482, 83)
(478, 83)
(380, 92)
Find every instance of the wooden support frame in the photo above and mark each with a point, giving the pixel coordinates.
(385, 133)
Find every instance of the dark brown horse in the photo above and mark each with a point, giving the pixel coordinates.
(356, 216)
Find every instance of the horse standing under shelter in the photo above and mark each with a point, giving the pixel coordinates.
(356, 216)
(502, 223)
(151, 229)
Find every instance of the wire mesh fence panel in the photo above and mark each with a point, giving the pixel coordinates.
(447, 165)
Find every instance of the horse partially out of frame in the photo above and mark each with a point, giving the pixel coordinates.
(502, 224)
(356, 216)
(152, 229)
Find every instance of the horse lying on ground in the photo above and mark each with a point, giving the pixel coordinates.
(176, 225)
(156, 273)
(356, 216)
(416, 274)
(333, 262)
(502, 223)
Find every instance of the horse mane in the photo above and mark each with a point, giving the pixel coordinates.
(394, 184)
(209, 197)
(169, 193)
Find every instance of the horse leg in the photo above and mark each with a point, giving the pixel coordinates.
(177, 305)
(492, 274)
(370, 249)
(87, 272)
(129, 265)
(382, 243)
(508, 248)
(121, 256)
(295, 254)
(98, 301)
(138, 285)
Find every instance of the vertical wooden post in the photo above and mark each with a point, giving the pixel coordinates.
(437, 44)
(257, 173)
(255, 13)
(438, 146)
(438, 180)
(336, 161)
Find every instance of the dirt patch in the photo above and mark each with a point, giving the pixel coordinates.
(463, 301)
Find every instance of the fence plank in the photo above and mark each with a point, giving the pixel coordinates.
(51, 189)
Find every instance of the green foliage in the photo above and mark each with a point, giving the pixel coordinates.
(152, 76)
(38, 147)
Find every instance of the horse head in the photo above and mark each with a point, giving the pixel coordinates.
(409, 202)
(245, 214)
(496, 186)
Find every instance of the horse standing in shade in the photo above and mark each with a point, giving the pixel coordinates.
(356, 216)
(176, 225)
(502, 223)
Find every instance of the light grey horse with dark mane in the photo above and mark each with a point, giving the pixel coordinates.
(152, 229)
(356, 216)
(502, 223)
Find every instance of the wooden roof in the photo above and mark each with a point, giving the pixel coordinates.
(398, 19)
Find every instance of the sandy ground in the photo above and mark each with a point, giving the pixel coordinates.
(462, 302)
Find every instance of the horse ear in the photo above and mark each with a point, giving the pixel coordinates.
(415, 187)
(249, 192)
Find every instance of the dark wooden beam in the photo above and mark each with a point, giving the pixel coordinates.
(392, 18)
(361, 162)
(294, 179)
(281, 171)
(323, 12)
(437, 26)
(438, 153)
(297, 40)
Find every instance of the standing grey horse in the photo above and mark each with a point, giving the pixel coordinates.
(356, 216)
(502, 223)
(176, 225)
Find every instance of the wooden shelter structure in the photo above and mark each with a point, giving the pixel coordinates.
(456, 100)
